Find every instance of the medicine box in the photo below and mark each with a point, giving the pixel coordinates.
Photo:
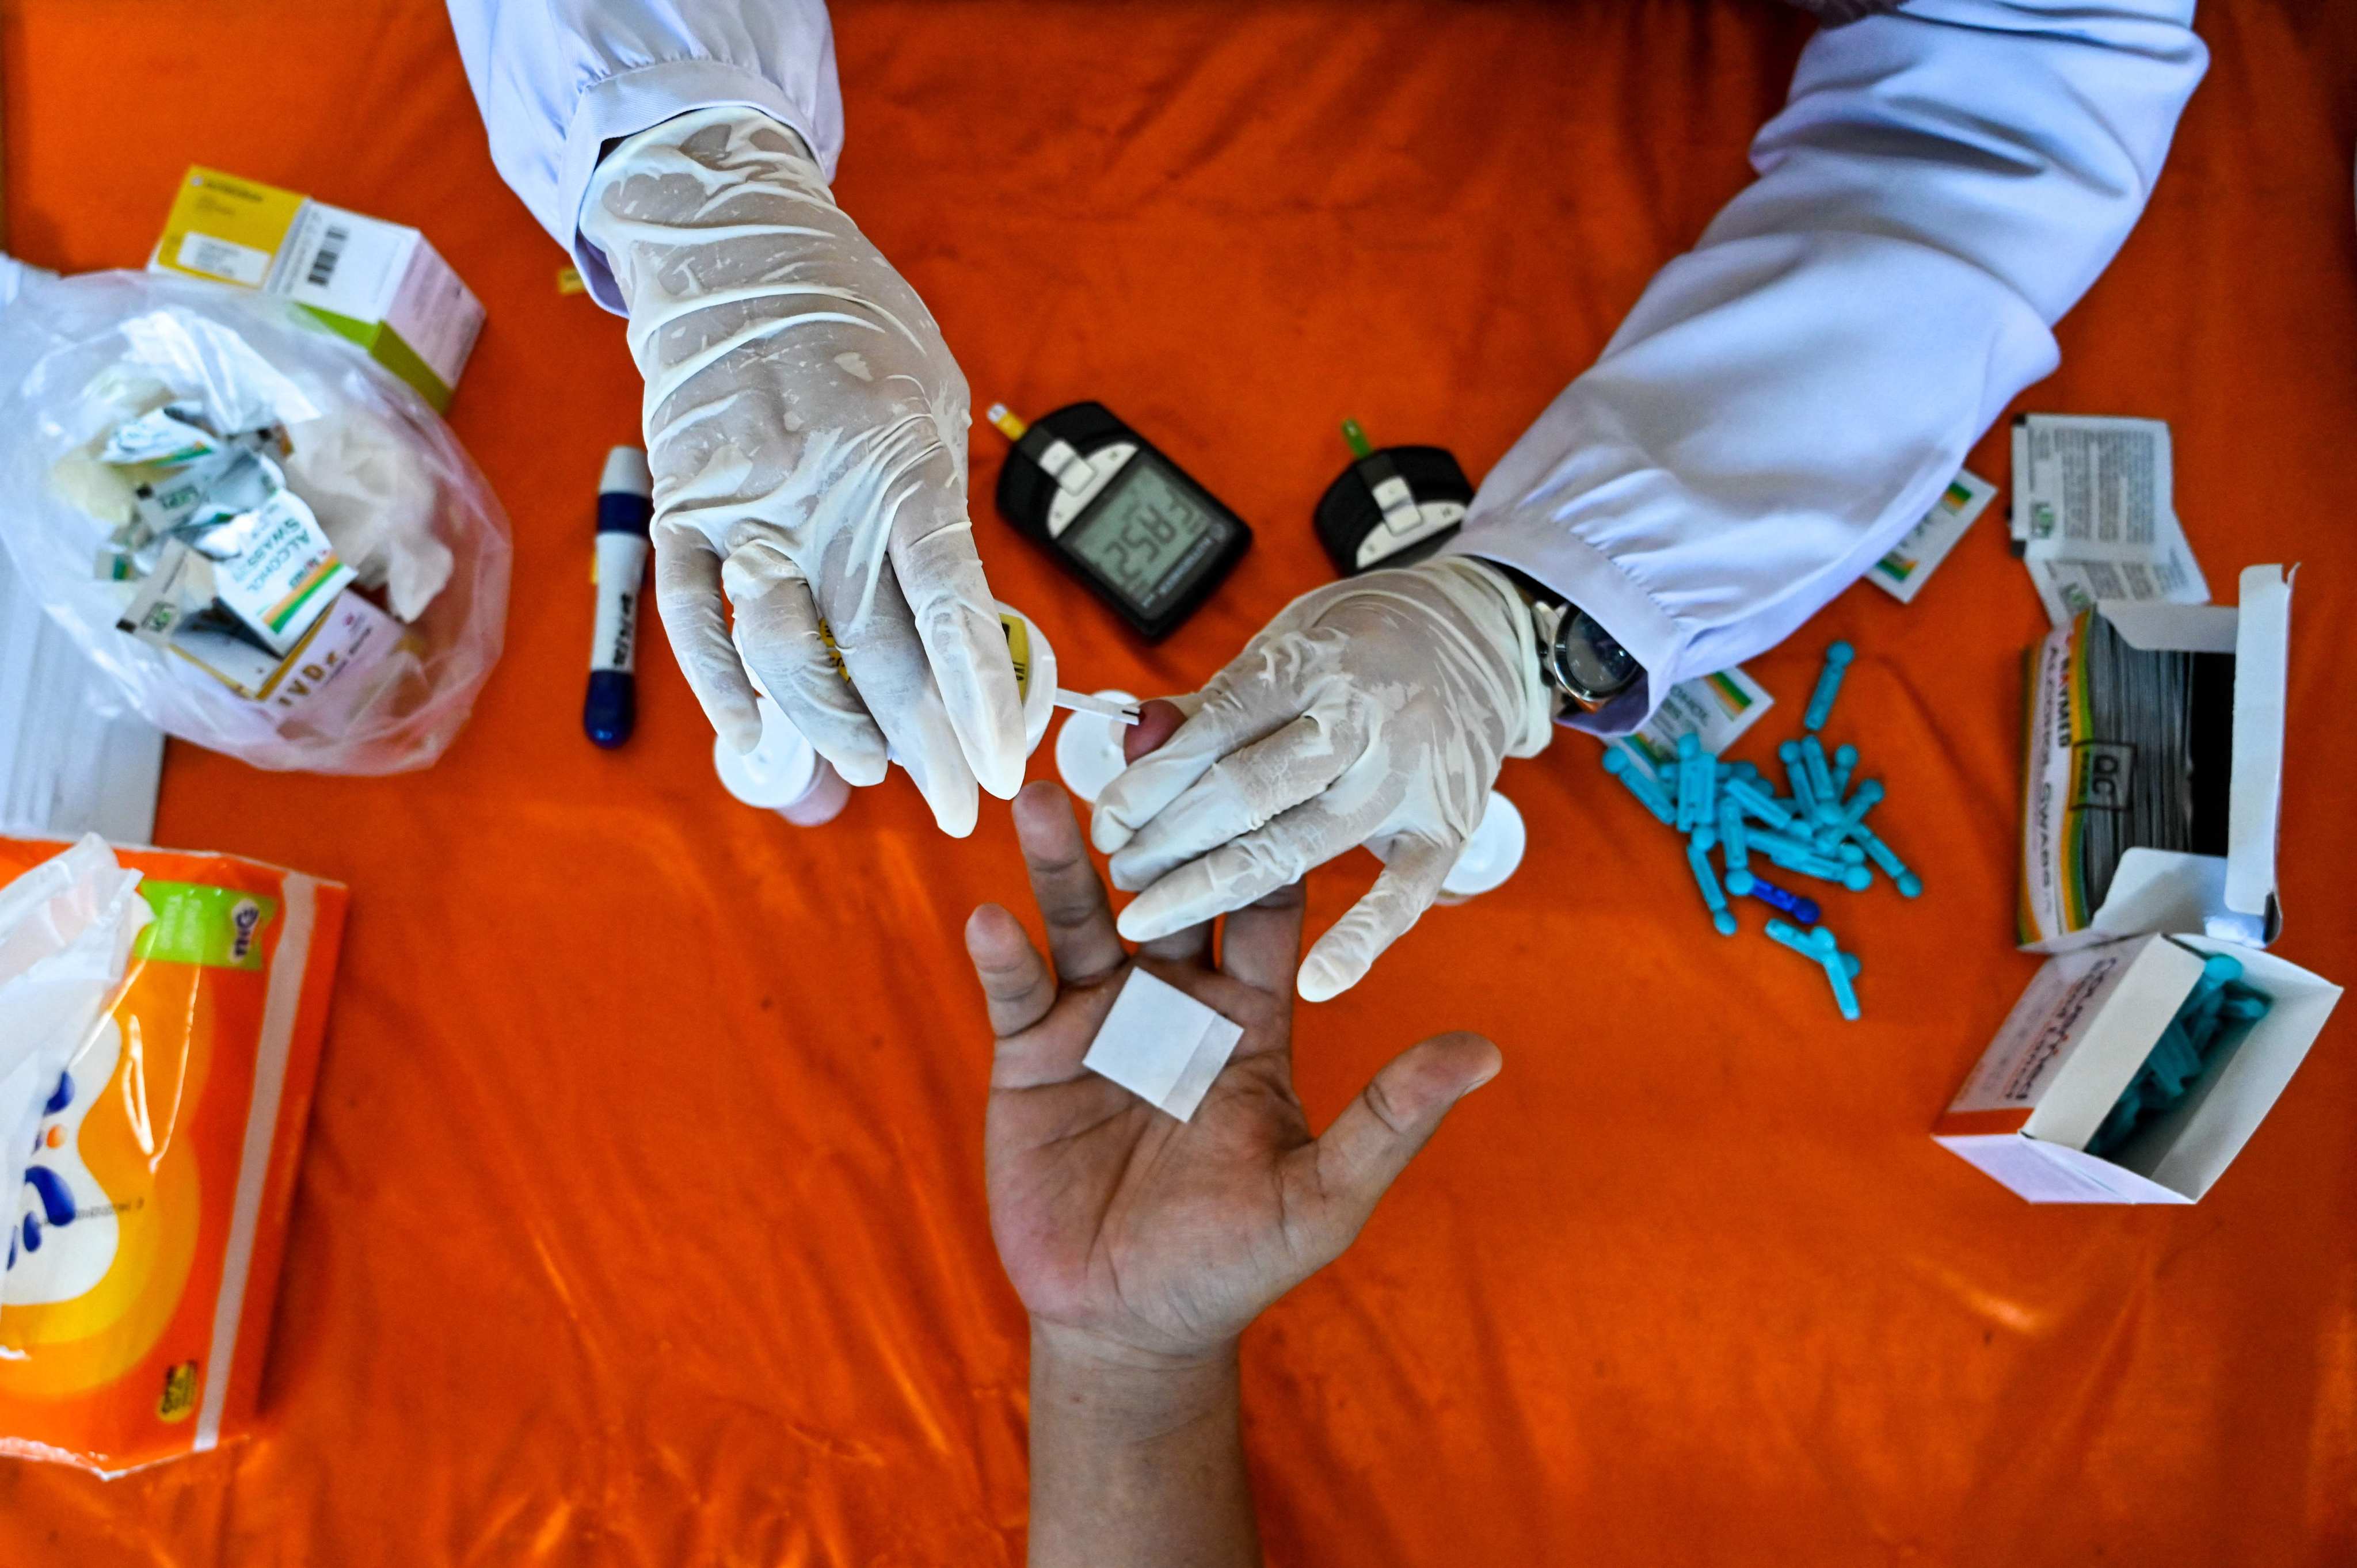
(2230, 895)
(378, 284)
(2026, 1112)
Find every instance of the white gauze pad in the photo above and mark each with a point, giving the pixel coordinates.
(1162, 1045)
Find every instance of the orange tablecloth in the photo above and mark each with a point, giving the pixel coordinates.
(642, 1219)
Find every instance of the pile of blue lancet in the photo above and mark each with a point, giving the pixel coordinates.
(1817, 830)
(2212, 1021)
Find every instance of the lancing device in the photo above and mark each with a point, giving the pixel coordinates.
(625, 507)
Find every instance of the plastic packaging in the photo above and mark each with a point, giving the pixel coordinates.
(164, 1135)
(66, 931)
(374, 677)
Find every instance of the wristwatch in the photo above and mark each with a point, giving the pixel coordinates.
(1580, 661)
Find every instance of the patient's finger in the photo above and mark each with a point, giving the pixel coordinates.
(1158, 720)
(1015, 983)
(1081, 935)
(1262, 942)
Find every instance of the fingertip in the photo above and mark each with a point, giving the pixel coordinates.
(955, 811)
(740, 727)
(975, 675)
(1318, 982)
(1106, 831)
(1477, 1059)
(1137, 922)
(1158, 721)
(994, 749)
(990, 931)
(1034, 807)
(1003, 780)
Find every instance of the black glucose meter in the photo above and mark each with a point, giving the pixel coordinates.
(1390, 508)
(1117, 513)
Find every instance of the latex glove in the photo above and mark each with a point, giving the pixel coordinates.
(807, 431)
(1374, 712)
(1121, 1227)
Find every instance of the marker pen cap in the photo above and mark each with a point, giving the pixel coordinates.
(611, 709)
(626, 472)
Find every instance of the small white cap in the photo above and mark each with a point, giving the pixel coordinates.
(776, 773)
(1088, 749)
(626, 474)
(1494, 852)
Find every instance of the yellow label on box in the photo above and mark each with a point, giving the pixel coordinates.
(227, 229)
(381, 284)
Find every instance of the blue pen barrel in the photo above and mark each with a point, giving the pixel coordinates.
(625, 511)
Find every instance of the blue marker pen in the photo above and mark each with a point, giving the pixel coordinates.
(625, 507)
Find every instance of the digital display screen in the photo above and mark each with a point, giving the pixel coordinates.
(1147, 526)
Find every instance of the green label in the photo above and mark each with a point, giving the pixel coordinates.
(389, 349)
(218, 927)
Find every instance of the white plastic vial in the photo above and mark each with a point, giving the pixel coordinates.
(786, 775)
(783, 773)
(1492, 855)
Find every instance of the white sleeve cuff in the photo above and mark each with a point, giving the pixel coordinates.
(632, 101)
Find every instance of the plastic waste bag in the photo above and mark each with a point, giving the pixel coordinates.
(271, 546)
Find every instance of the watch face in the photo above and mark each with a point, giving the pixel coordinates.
(1592, 664)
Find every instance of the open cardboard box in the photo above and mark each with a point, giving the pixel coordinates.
(2230, 895)
(2121, 971)
(2079, 1034)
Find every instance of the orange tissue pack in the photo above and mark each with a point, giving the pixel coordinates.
(166, 1124)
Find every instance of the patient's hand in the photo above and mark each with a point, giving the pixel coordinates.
(1130, 1235)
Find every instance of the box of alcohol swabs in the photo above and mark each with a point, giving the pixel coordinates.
(2158, 1036)
(2154, 770)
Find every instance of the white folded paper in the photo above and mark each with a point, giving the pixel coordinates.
(1162, 1045)
(2095, 511)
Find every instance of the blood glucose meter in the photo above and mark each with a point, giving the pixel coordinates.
(1390, 508)
(1117, 514)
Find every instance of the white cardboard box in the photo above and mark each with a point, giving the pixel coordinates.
(383, 286)
(2025, 1113)
(2229, 896)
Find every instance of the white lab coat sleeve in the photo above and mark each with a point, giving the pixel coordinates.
(557, 79)
(1790, 396)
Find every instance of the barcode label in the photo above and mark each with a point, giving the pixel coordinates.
(331, 250)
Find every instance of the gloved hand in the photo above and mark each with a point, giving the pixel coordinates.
(806, 427)
(1376, 711)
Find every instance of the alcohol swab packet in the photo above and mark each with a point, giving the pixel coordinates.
(1162, 1045)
